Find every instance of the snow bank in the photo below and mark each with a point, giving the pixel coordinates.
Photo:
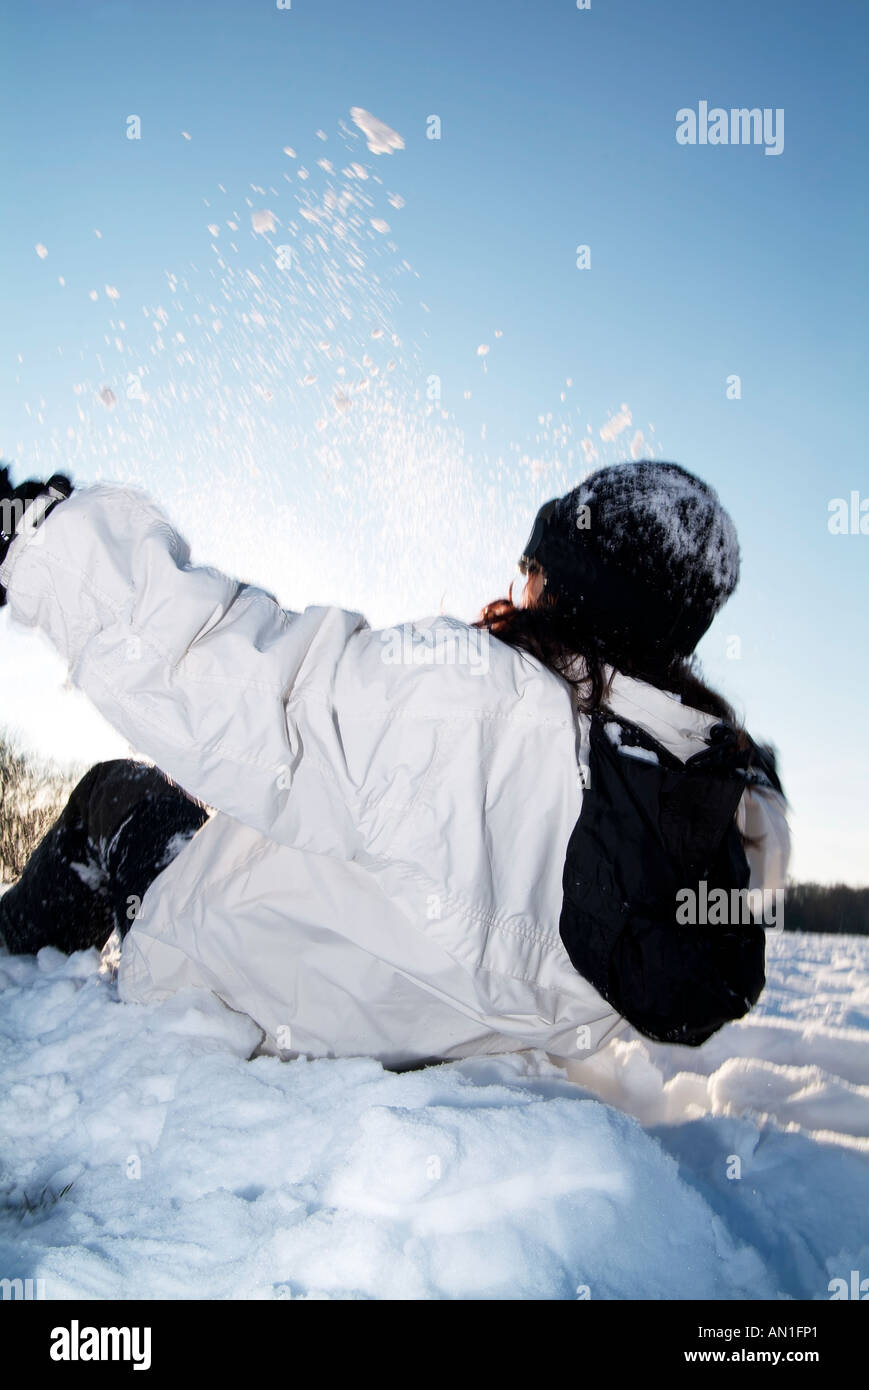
(144, 1155)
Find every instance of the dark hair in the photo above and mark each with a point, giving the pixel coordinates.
(556, 638)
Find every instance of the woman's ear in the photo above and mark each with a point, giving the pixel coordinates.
(535, 590)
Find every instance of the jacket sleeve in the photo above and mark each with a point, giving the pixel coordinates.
(227, 692)
(762, 819)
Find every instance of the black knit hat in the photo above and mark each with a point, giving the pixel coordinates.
(643, 553)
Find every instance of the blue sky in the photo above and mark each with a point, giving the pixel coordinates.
(558, 128)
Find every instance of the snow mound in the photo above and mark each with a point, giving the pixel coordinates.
(147, 1152)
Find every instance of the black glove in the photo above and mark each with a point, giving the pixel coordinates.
(15, 502)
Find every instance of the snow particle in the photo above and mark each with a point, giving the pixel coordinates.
(591, 454)
(616, 424)
(380, 138)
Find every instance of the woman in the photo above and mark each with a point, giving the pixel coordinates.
(427, 842)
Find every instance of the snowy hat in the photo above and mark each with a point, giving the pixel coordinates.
(645, 555)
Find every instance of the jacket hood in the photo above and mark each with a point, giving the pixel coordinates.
(682, 730)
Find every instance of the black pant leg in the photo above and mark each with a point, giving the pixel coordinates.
(155, 830)
(123, 823)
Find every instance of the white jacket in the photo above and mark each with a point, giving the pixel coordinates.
(383, 873)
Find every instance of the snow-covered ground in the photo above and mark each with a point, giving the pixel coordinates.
(143, 1155)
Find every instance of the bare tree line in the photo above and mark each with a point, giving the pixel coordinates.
(32, 793)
